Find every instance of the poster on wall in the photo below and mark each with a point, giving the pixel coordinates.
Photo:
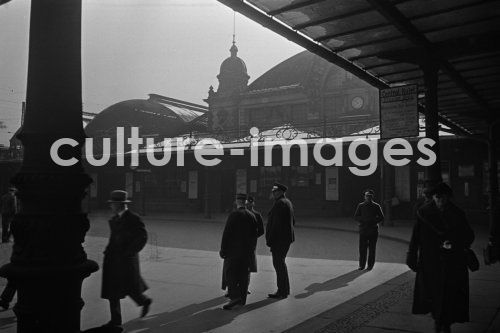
(332, 183)
(253, 186)
(93, 186)
(193, 185)
(129, 183)
(241, 181)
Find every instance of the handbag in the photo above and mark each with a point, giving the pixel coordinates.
(472, 261)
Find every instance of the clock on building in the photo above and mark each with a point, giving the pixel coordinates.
(357, 102)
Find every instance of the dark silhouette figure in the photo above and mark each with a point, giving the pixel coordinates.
(8, 208)
(437, 253)
(369, 215)
(279, 237)
(259, 231)
(121, 275)
(237, 251)
(332, 284)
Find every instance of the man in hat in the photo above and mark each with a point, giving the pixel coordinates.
(279, 237)
(236, 250)
(121, 274)
(437, 252)
(369, 215)
(259, 230)
(8, 208)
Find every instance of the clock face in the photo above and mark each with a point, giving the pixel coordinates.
(357, 102)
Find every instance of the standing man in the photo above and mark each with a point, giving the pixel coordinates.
(236, 250)
(259, 231)
(279, 237)
(369, 215)
(121, 274)
(8, 208)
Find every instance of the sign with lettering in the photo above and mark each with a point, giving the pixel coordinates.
(399, 112)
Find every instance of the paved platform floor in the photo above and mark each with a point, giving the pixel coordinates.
(185, 286)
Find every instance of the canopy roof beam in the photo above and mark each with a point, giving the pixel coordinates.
(269, 22)
(393, 15)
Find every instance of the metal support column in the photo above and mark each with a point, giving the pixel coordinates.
(430, 69)
(48, 262)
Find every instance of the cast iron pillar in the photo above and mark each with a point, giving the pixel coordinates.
(48, 262)
(430, 69)
(494, 197)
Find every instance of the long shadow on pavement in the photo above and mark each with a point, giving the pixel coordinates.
(332, 284)
(7, 321)
(194, 318)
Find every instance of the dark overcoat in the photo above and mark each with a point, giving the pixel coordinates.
(280, 222)
(442, 280)
(237, 242)
(121, 275)
(259, 231)
(368, 214)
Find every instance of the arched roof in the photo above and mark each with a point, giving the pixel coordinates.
(158, 116)
(292, 71)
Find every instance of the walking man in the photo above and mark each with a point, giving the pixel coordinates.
(237, 250)
(369, 215)
(279, 237)
(8, 208)
(121, 274)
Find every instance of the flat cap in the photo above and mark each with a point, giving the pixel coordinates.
(279, 186)
(442, 188)
(369, 192)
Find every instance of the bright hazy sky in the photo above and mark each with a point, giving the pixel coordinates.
(134, 47)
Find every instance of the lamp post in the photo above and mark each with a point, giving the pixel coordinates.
(48, 262)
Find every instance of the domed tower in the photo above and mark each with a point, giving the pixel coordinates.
(233, 75)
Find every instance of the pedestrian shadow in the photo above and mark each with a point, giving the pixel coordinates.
(332, 284)
(195, 318)
(7, 321)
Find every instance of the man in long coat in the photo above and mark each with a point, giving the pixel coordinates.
(237, 251)
(369, 215)
(121, 274)
(259, 230)
(437, 253)
(279, 237)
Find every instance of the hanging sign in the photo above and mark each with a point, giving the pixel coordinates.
(399, 112)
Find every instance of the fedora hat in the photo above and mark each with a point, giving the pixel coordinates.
(241, 196)
(119, 196)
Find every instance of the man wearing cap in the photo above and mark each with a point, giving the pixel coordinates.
(279, 237)
(236, 250)
(259, 230)
(121, 274)
(8, 208)
(369, 215)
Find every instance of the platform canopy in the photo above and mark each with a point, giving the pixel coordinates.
(387, 43)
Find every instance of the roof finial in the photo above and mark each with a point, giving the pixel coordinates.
(234, 49)
(234, 27)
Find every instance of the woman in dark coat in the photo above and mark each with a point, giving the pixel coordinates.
(437, 253)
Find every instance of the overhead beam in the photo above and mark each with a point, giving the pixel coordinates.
(294, 6)
(393, 15)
